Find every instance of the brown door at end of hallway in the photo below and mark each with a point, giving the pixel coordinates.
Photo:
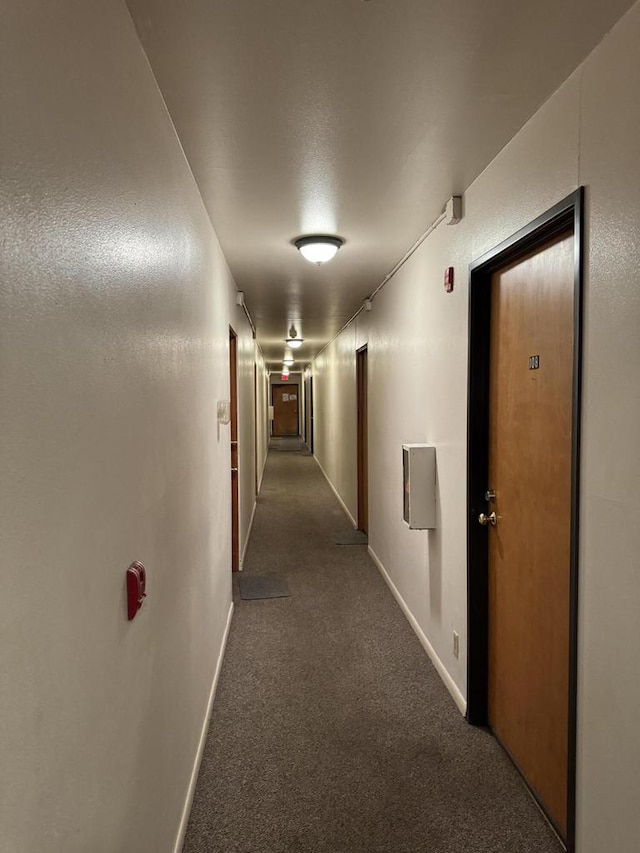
(530, 435)
(233, 394)
(363, 450)
(285, 409)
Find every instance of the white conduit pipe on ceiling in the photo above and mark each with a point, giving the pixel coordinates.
(388, 277)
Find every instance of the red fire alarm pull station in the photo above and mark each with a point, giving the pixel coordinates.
(136, 584)
(448, 279)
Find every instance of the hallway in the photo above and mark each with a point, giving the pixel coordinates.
(162, 166)
(331, 732)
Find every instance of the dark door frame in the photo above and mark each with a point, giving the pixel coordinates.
(362, 443)
(305, 416)
(566, 214)
(310, 442)
(235, 485)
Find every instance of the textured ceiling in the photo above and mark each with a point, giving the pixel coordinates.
(347, 117)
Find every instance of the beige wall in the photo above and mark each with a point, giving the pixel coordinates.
(262, 412)
(335, 417)
(250, 428)
(587, 133)
(113, 353)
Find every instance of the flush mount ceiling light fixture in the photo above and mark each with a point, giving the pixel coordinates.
(288, 358)
(293, 341)
(318, 248)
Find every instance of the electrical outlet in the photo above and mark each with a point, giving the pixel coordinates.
(456, 644)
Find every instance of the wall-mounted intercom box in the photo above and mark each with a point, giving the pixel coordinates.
(419, 479)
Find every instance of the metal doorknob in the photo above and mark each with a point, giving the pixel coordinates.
(485, 520)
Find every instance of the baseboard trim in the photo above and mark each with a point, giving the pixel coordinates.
(246, 540)
(333, 489)
(450, 684)
(184, 820)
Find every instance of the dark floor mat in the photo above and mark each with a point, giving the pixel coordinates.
(253, 587)
(351, 537)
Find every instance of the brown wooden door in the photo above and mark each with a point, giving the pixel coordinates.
(363, 450)
(285, 409)
(530, 428)
(233, 394)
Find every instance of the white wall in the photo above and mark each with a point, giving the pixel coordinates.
(262, 414)
(113, 352)
(609, 700)
(335, 417)
(249, 429)
(587, 133)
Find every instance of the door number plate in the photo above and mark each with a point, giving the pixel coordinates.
(534, 362)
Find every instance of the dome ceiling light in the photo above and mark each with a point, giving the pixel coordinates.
(293, 341)
(318, 248)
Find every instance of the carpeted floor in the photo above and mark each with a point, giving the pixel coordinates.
(331, 731)
(287, 443)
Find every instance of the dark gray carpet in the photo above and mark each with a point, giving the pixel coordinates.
(289, 444)
(254, 587)
(331, 731)
(351, 537)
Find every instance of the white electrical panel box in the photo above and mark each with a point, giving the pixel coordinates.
(419, 479)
